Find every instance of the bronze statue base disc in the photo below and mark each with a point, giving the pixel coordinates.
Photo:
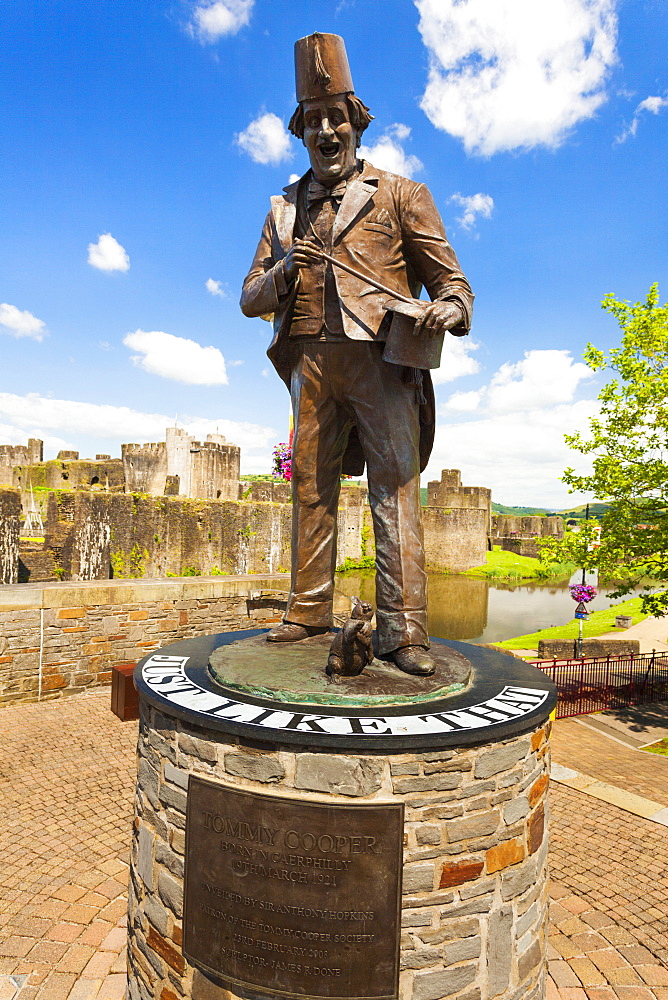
(294, 672)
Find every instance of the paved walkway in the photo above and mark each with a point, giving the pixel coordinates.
(66, 787)
(582, 747)
(651, 632)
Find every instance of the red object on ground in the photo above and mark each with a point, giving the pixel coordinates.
(124, 695)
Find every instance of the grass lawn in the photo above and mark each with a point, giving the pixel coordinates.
(597, 623)
(502, 565)
(661, 748)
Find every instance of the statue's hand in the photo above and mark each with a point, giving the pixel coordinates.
(437, 318)
(302, 253)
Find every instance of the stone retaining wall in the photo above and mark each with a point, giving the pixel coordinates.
(566, 649)
(62, 638)
(474, 904)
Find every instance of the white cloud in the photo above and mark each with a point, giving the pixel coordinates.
(216, 288)
(651, 104)
(266, 140)
(37, 416)
(519, 456)
(389, 154)
(515, 74)
(513, 442)
(176, 358)
(474, 205)
(21, 323)
(456, 360)
(541, 379)
(292, 178)
(211, 21)
(464, 402)
(108, 254)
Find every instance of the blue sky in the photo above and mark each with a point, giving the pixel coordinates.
(141, 140)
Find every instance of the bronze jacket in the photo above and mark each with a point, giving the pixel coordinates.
(386, 226)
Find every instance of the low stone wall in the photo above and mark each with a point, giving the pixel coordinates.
(62, 638)
(474, 905)
(560, 649)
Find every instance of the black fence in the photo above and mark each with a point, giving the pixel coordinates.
(596, 683)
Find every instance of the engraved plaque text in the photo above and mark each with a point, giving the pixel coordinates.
(291, 896)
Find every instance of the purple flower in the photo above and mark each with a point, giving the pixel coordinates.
(582, 593)
(282, 462)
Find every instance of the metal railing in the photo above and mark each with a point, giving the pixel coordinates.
(594, 684)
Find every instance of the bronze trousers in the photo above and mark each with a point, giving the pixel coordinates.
(336, 385)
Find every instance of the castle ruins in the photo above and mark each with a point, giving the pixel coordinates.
(178, 507)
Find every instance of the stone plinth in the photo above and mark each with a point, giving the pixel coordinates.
(473, 787)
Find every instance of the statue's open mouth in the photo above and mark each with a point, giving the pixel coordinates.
(329, 150)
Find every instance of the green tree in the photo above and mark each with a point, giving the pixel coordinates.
(628, 442)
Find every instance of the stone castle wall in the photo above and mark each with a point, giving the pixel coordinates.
(450, 494)
(454, 539)
(95, 536)
(99, 535)
(181, 466)
(145, 467)
(10, 521)
(19, 454)
(533, 526)
(69, 474)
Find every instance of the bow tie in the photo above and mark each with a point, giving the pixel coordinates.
(318, 191)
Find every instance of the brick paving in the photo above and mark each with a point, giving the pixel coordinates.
(66, 786)
(585, 749)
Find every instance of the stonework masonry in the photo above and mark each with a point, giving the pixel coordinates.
(19, 454)
(449, 493)
(63, 638)
(69, 473)
(521, 534)
(10, 520)
(455, 539)
(474, 904)
(207, 470)
(98, 535)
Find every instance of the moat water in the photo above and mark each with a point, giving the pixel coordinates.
(484, 611)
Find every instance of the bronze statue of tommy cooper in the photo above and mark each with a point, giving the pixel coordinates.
(343, 256)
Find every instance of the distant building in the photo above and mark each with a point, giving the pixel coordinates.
(182, 466)
(18, 454)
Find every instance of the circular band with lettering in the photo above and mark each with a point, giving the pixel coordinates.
(505, 698)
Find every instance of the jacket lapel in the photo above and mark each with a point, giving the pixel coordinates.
(284, 206)
(356, 197)
(284, 210)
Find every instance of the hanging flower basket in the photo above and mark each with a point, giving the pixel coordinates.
(282, 468)
(582, 593)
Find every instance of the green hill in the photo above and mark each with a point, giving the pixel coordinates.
(596, 510)
(500, 508)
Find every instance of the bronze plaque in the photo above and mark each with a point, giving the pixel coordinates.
(293, 897)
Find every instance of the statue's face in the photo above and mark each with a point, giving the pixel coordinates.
(330, 138)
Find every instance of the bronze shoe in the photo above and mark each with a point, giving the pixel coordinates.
(413, 660)
(293, 632)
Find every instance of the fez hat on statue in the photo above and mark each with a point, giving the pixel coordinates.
(321, 67)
